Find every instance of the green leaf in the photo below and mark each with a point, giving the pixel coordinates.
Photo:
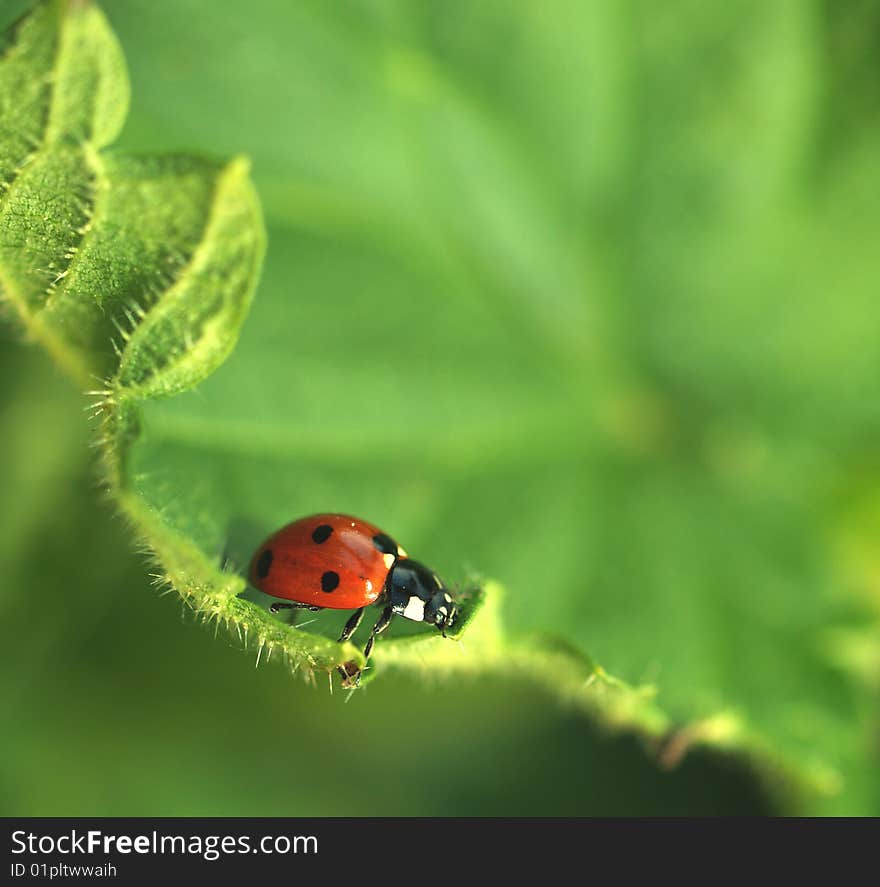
(64, 94)
(563, 274)
(548, 294)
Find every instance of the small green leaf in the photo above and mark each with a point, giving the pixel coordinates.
(89, 90)
(63, 93)
(185, 333)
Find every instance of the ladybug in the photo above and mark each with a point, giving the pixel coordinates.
(339, 562)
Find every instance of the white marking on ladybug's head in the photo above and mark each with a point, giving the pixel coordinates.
(389, 560)
(401, 552)
(415, 609)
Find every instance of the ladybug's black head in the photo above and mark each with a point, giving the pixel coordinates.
(417, 593)
(443, 608)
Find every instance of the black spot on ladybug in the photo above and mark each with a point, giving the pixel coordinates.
(322, 533)
(385, 544)
(329, 581)
(263, 563)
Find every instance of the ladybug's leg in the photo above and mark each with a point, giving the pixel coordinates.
(351, 680)
(278, 605)
(381, 624)
(352, 625)
(350, 628)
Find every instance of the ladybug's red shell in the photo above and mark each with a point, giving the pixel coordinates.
(326, 560)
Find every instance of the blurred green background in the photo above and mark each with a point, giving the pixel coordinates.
(579, 295)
